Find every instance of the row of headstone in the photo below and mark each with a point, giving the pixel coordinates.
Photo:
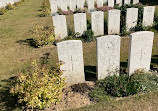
(4, 3)
(79, 4)
(108, 56)
(97, 21)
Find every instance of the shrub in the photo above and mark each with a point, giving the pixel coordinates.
(16, 4)
(39, 87)
(43, 35)
(121, 86)
(156, 21)
(104, 8)
(88, 24)
(3, 11)
(10, 7)
(24, 0)
(85, 4)
(69, 12)
(88, 35)
(45, 8)
(99, 95)
(78, 10)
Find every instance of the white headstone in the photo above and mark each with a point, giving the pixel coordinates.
(148, 15)
(53, 6)
(108, 56)
(111, 3)
(97, 22)
(80, 22)
(62, 4)
(99, 3)
(105, 1)
(11, 1)
(80, 4)
(71, 54)
(119, 2)
(114, 22)
(135, 1)
(140, 51)
(60, 26)
(72, 4)
(131, 18)
(90, 4)
(127, 1)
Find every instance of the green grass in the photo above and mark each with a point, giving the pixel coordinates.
(16, 53)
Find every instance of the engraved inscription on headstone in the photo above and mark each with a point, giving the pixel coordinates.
(97, 19)
(140, 51)
(80, 22)
(113, 22)
(131, 18)
(148, 15)
(71, 54)
(60, 26)
(108, 56)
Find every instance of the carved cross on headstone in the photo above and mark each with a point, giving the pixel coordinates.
(141, 54)
(72, 61)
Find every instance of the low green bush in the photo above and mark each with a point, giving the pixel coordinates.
(10, 7)
(88, 35)
(3, 11)
(45, 8)
(43, 36)
(123, 85)
(156, 21)
(39, 87)
(16, 4)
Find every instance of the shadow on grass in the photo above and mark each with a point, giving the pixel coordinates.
(123, 67)
(8, 102)
(150, 2)
(154, 62)
(90, 73)
(29, 42)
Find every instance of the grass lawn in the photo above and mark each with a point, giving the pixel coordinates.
(16, 53)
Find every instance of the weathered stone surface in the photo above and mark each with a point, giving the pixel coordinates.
(80, 22)
(131, 18)
(60, 26)
(148, 15)
(135, 1)
(90, 4)
(72, 4)
(99, 3)
(108, 56)
(127, 1)
(80, 4)
(111, 3)
(71, 54)
(97, 22)
(53, 6)
(105, 1)
(140, 51)
(119, 2)
(114, 22)
(62, 4)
